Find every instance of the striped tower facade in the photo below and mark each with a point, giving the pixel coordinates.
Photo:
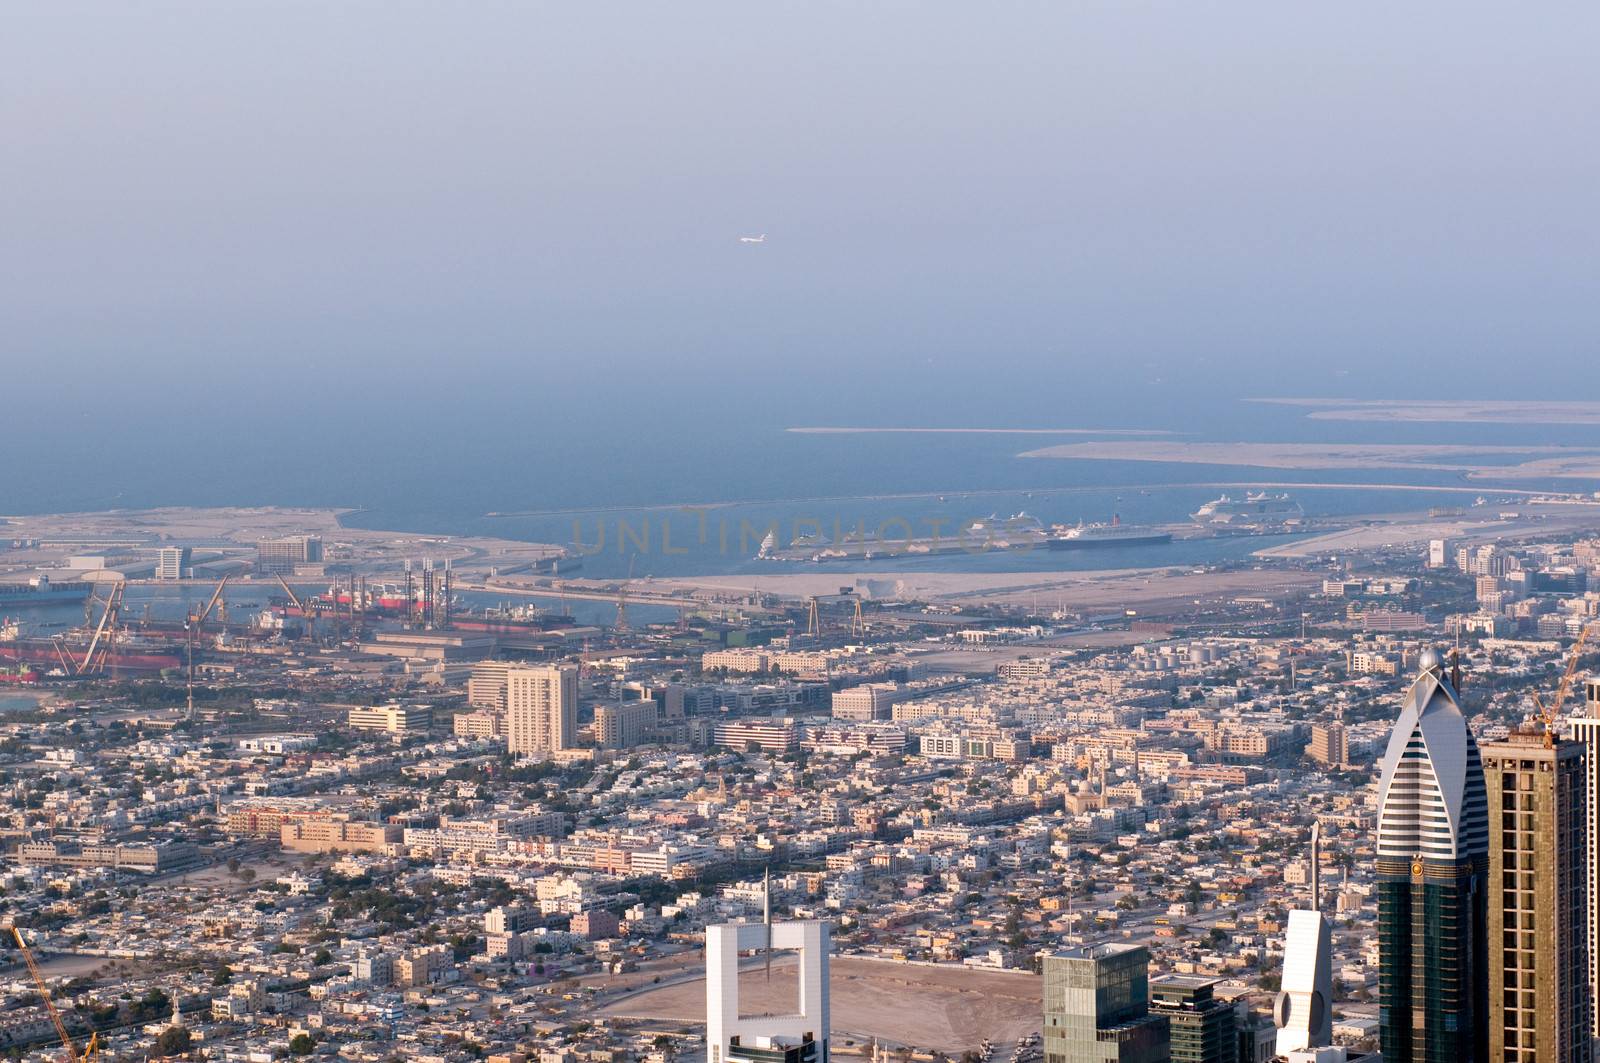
(1433, 834)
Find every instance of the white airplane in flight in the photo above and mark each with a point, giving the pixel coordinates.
(753, 239)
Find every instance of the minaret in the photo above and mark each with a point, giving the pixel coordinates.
(1433, 844)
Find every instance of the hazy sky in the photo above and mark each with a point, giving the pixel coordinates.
(1014, 204)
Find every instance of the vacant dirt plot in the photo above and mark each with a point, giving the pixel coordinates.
(945, 1009)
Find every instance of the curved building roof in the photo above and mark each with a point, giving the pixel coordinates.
(1431, 800)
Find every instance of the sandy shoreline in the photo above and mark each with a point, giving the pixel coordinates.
(1445, 411)
(228, 534)
(854, 430)
(1539, 461)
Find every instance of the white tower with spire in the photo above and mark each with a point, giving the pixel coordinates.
(1303, 1011)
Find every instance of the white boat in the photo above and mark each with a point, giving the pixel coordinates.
(1257, 507)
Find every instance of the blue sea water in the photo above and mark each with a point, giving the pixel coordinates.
(681, 482)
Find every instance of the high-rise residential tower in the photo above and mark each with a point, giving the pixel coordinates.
(1586, 729)
(1433, 838)
(1097, 1007)
(1539, 981)
(541, 709)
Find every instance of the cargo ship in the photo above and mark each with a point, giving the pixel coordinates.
(1255, 508)
(1101, 536)
(40, 591)
(22, 675)
(53, 654)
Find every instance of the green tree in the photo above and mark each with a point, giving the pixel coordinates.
(174, 1041)
(302, 1044)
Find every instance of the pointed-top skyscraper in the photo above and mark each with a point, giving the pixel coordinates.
(1433, 833)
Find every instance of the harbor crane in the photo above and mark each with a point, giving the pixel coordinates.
(622, 596)
(192, 630)
(306, 619)
(106, 630)
(858, 622)
(91, 1052)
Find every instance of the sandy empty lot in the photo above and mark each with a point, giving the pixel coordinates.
(942, 1008)
(1150, 591)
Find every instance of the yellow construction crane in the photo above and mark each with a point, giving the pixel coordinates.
(91, 1052)
(1549, 714)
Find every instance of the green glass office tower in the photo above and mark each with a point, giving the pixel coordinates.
(1202, 1028)
(1432, 882)
(1097, 1007)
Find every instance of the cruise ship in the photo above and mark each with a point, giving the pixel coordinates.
(1096, 536)
(1257, 507)
(1020, 523)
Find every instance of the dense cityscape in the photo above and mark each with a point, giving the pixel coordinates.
(1351, 811)
(906, 531)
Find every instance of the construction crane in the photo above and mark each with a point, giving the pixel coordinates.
(426, 608)
(107, 630)
(1548, 715)
(192, 629)
(411, 596)
(91, 1053)
(447, 592)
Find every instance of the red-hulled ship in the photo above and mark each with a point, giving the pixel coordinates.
(50, 653)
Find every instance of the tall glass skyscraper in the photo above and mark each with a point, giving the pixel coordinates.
(1433, 836)
(1097, 1007)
